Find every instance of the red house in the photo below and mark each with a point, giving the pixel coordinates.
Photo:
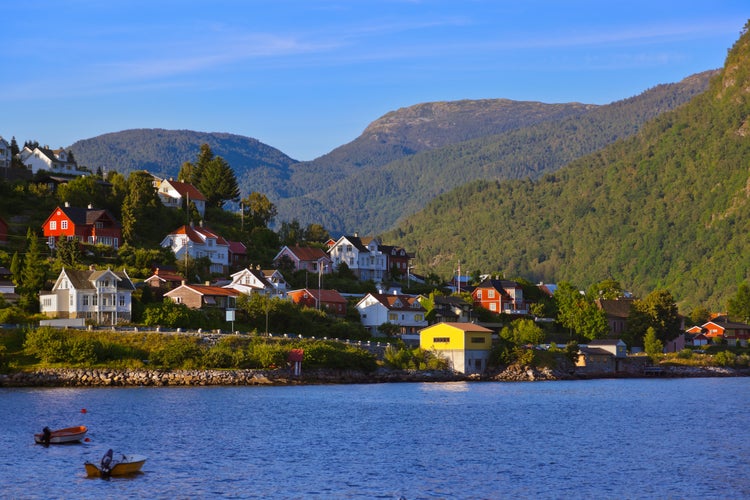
(330, 300)
(500, 296)
(88, 225)
(3, 231)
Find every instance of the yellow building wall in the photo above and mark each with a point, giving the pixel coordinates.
(428, 336)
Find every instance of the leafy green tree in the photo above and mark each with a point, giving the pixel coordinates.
(390, 330)
(291, 233)
(15, 269)
(699, 315)
(523, 332)
(658, 311)
(82, 191)
(738, 306)
(652, 345)
(316, 233)
(607, 289)
(33, 273)
(258, 209)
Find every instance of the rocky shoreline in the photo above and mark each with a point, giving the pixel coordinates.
(160, 378)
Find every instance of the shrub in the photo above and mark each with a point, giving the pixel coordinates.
(180, 352)
(685, 353)
(725, 358)
(47, 344)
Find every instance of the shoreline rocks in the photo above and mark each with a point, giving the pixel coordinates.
(81, 377)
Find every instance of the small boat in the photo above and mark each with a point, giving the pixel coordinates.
(60, 436)
(126, 464)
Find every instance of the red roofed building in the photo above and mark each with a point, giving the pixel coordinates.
(402, 310)
(330, 300)
(308, 259)
(500, 296)
(204, 296)
(173, 194)
(163, 278)
(199, 242)
(89, 225)
(237, 254)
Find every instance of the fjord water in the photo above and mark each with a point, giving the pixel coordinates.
(644, 438)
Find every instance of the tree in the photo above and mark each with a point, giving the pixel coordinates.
(258, 209)
(291, 233)
(68, 252)
(658, 311)
(390, 330)
(218, 183)
(579, 314)
(82, 191)
(141, 210)
(15, 268)
(523, 332)
(316, 233)
(191, 173)
(652, 345)
(607, 289)
(738, 306)
(699, 315)
(33, 273)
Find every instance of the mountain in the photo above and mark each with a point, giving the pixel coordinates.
(258, 167)
(445, 145)
(402, 160)
(666, 208)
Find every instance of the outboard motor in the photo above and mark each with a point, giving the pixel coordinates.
(46, 435)
(106, 463)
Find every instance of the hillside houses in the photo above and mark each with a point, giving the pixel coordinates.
(174, 194)
(197, 242)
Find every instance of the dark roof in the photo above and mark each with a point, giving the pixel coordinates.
(87, 216)
(618, 308)
(83, 279)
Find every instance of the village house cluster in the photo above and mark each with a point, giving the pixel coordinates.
(105, 296)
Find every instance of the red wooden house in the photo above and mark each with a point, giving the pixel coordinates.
(88, 225)
(329, 300)
(500, 296)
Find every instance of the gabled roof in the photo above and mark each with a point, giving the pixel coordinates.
(84, 279)
(205, 290)
(464, 327)
(200, 234)
(397, 302)
(618, 308)
(186, 190)
(237, 248)
(498, 285)
(311, 254)
(87, 216)
(325, 296)
(165, 275)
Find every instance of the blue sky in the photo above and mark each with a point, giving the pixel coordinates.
(306, 76)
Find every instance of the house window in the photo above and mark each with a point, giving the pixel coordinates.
(47, 303)
(85, 300)
(95, 300)
(443, 340)
(493, 307)
(52, 225)
(417, 317)
(477, 340)
(121, 300)
(63, 224)
(392, 317)
(479, 294)
(490, 294)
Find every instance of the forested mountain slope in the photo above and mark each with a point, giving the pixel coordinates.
(408, 157)
(257, 166)
(666, 208)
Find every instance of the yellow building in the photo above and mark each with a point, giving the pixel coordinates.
(466, 345)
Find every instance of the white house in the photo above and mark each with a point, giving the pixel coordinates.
(172, 194)
(101, 296)
(197, 242)
(404, 311)
(362, 256)
(5, 154)
(56, 161)
(249, 281)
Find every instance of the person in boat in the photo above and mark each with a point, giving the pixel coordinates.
(106, 463)
(46, 435)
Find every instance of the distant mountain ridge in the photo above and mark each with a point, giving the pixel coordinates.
(403, 159)
(668, 208)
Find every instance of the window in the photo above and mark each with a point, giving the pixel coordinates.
(417, 317)
(95, 300)
(493, 307)
(85, 300)
(53, 225)
(392, 317)
(479, 294)
(63, 224)
(477, 340)
(121, 300)
(443, 340)
(490, 294)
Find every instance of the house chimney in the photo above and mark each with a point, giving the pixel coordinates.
(67, 204)
(90, 206)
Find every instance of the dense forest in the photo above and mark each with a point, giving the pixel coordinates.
(666, 208)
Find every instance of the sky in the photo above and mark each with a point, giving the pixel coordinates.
(307, 76)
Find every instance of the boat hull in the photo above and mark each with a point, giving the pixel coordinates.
(125, 466)
(63, 436)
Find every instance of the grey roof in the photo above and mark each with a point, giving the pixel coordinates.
(84, 279)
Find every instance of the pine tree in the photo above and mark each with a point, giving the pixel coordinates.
(218, 183)
(33, 273)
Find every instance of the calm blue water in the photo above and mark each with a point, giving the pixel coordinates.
(687, 438)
